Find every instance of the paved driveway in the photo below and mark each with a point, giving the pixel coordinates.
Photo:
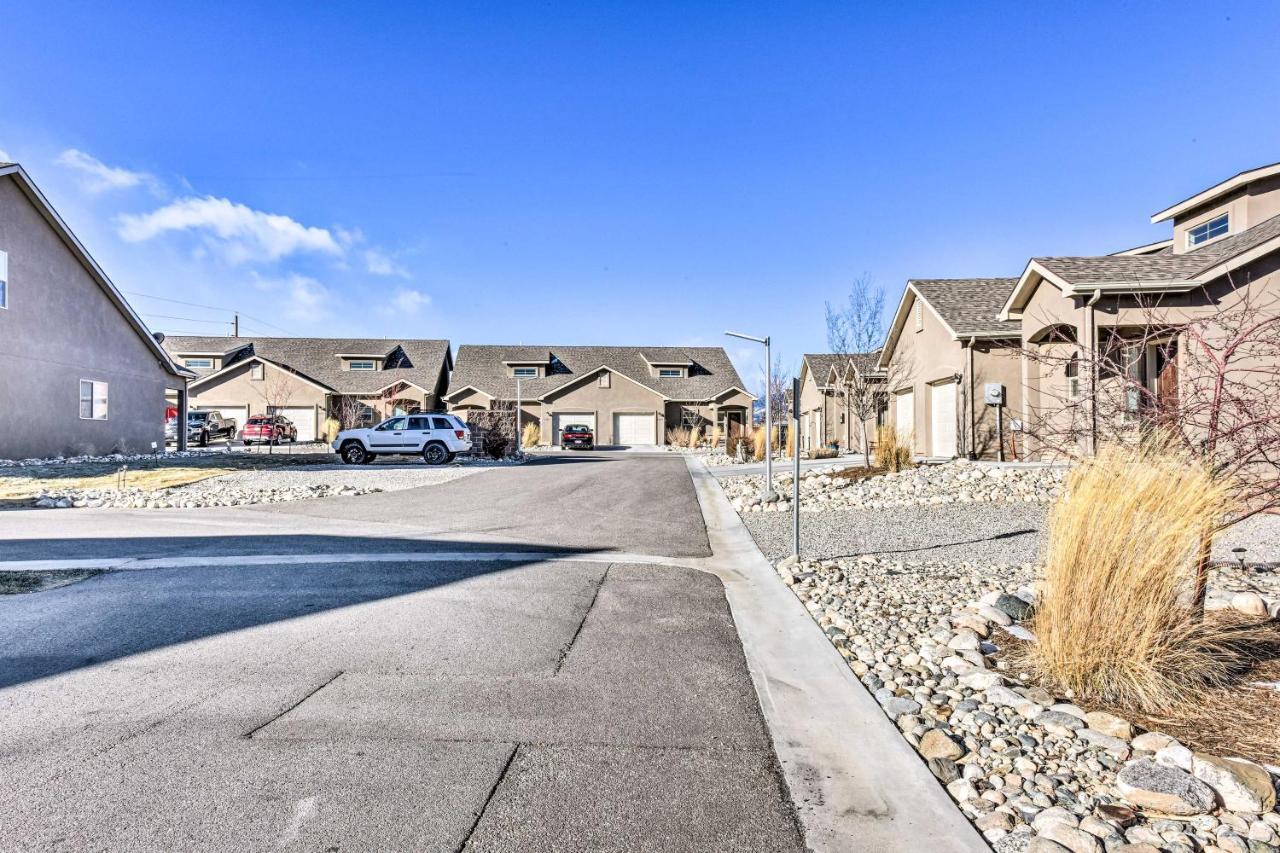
(349, 703)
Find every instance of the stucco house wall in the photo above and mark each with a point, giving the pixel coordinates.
(586, 395)
(61, 327)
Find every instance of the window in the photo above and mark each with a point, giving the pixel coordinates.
(441, 423)
(4, 280)
(605, 379)
(93, 400)
(419, 424)
(919, 315)
(361, 364)
(392, 424)
(670, 372)
(525, 372)
(1206, 231)
(1073, 376)
(257, 371)
(198, 363)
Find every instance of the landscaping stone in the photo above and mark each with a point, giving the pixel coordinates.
(1170, 790)
(1109, 724)
(1075, 840)
(1241, 786)
(936, 744)
(1250, 604)
(1014, 607)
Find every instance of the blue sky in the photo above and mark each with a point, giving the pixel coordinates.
(615, 173)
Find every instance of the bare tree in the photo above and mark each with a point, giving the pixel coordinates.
(1206, 379)
(856, 331)
(276, 390)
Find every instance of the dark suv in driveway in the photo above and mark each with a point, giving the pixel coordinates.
(578, 435)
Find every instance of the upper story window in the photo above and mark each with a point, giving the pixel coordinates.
(361, 364)
(525, 372)
(198, 363)
(670, 372)
(257, 371)
(604, 379)
(1206, 231)
(93, 400)
(4, 280)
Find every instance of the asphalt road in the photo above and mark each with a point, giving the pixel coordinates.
(381, 705)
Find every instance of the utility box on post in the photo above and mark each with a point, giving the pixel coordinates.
(994, 394)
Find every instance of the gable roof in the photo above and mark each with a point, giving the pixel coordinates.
(316, 359)
(1218, 190)
(1160, 272)
(821, 364)
(45, 209)
(966, 307)
(866, 362)
(483, 367)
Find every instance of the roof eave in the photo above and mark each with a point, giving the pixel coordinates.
(1217, 190)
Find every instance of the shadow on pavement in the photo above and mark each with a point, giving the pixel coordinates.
(119, 613)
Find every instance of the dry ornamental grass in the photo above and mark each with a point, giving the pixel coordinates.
(1117, 622)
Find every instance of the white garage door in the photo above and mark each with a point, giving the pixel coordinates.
(304, 418)
(631, 430)
(560, 420)
(943, 420)
(904, 415)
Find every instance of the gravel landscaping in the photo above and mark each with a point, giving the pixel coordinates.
(275, 485)
(920, 579)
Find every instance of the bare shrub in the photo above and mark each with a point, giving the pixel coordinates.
(695, 438)
(531, 435)
(678, 436)
(1117, 620)
(893, 451)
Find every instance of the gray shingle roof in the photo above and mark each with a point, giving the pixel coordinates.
(481, 367)
(1161, 266)
(970, 305)
(866, 362)
(317, 358)
(820, 364)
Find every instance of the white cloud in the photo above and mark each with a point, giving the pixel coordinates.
(408, 301)
(297, 297)
(98, 177)
(4, 156)
(241, 233)
(378, 262)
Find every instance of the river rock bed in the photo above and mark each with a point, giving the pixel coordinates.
(1032, 771)
(951, 482)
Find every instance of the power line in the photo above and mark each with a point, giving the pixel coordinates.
(188, 319)
(208, 307)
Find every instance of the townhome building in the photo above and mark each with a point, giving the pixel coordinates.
(946, 344)
(314, 381)
(842, 400)
(1105, 338)
(80, 373)
(629, 396)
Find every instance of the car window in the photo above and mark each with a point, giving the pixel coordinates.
(577, 428)
(393, 423)
(457, 422)
(441, 423)
(419, 424)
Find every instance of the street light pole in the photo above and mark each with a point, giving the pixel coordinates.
(768, 495)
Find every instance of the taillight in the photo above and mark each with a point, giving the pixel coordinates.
(459, 433)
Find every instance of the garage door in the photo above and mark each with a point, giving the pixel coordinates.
(631, 430)
(904, 415)
(943, 420)
(304, 418)
(238, 413)
(560, 420)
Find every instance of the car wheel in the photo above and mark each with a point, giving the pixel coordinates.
(354, 454)
(435, 453)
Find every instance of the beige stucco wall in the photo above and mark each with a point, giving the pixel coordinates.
(622, 395)
(236, 388)
(60, 327)
(928, 356)
(1248, 206)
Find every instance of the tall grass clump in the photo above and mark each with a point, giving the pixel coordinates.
(530, 435)
(791, 443)
(678, 437)
(695, 438)
(893, 451)
(1117, 620)
(758, 437)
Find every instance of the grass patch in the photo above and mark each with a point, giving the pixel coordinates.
(20, 583)
(1116, 622)
(18, 487)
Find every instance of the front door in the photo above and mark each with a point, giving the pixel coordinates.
(1165, 362)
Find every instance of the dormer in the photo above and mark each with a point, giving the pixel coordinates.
(527, 368)
(668, 368)
(362, 361)
(202, 361)
(1237, 204)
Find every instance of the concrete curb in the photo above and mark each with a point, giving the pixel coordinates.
(855, 781)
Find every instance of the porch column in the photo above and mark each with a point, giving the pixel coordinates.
(181, 427)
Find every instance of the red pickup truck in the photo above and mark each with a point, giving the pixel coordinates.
(268, 429)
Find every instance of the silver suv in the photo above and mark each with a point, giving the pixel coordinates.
(439, 438)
